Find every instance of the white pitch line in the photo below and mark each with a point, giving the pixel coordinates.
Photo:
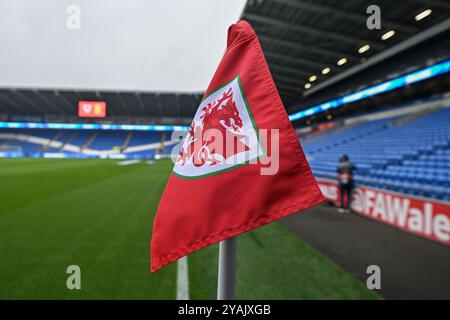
(182, 279)
(127, 162)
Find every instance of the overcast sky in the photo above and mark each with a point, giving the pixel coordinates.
(142, 45)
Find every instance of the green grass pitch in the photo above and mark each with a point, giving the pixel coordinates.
(98, 215)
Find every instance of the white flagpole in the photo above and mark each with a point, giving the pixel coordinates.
(227, 269)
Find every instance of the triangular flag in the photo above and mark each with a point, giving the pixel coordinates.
(240, 166)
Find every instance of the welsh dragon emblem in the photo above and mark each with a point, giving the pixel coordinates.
(217, 136)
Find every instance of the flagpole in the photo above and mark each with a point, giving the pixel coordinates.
(227, 269)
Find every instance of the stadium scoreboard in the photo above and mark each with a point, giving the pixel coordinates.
(92, 109)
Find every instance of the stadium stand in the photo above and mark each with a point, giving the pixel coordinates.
(405, 155)
(80, 138)
(141, 138)
(108, 140)
(76, 143)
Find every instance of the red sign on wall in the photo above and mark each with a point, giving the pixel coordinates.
(92, 109)
(425, 217)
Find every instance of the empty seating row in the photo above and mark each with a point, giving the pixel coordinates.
(412, 158)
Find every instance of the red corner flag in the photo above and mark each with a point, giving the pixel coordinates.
(240, 166)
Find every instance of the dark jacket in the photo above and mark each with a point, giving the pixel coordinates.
(345, 172)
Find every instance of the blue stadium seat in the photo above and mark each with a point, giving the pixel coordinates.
(412, 158)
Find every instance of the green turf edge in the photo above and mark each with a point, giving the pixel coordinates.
(275, 264)
(99, 216)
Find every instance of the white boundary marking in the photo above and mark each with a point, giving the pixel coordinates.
(128, 162)
(182, 279)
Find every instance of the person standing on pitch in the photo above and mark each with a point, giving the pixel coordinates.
(345, 177)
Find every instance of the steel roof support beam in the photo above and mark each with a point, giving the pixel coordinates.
(330, 53)
(283, 84)
(177, 98)
(312, 31)
(433, 3)
(3, 107)
(292, 59)
(293, 71)
(11, 101)
(278, 77)
(160, 104)
(290, 87)
(66, 100)
(402, 46)
(297, 91)
(141, 103)
(342, 14)
(124, 105)
(289, 92)
(195, 103)
(31, 102)
(48, 101)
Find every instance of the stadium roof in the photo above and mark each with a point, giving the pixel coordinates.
(300, 39)
(119, 104)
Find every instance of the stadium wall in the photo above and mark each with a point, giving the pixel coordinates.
(427, 218)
